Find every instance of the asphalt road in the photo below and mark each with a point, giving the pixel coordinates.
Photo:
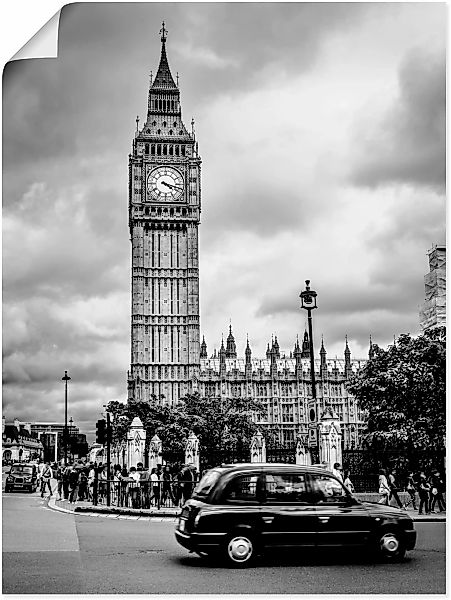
(48, 552)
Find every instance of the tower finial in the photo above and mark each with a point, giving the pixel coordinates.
(163, 32)
(177, 79)
(137, 123)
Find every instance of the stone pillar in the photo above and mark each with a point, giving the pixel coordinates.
(192, 451)
(155, 452)
(258, 448)
(302, 451)
(330, 439)
(136, 441)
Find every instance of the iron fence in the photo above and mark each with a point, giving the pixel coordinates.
(127, 493)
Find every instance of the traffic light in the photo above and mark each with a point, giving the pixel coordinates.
(101, 432)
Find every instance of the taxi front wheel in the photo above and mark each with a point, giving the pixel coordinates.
(391, 546)
(240, 549)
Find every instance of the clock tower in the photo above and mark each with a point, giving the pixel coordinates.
(164, 216)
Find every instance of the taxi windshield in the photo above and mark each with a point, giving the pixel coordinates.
(22, 469)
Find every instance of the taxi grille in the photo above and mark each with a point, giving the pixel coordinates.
(18, 480)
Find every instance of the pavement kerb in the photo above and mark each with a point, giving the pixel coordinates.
(114, 510)
(66, 507)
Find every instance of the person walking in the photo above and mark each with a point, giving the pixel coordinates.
(46, 476)
(166, 489)
(133, 486)
(74, 475)
(59, 481)
(155, 483)
(348, 483)
(393, 488)
(437, 487)
(384, 488)
(338, 471)
(411, 488)
(65, 478)
(423, 491)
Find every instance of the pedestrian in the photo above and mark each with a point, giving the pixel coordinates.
(65, 476)
(59, 481)
(91, 480)
(424, 489)
(155, 483)
(348, 483)
(411, 488)
(384, 488)
(74, 475)
(166, 487)
(338, 471)
(186, 480)
(83, 485)
(46, 475)
(437, 487)
(133, 486)
(101, 482)
(393, 488)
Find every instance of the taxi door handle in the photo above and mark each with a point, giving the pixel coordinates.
(268, 520)
(324, 519)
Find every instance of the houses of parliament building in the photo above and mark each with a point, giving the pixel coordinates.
(168, 359)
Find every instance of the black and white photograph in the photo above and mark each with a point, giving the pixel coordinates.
(224, 299)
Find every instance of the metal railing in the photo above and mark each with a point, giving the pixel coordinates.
(143, 494)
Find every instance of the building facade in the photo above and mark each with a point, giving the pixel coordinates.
(19, 442)
(282, 383)
(164, 214)
(167, 359)
(433, 310)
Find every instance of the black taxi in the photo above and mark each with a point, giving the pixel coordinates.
(240, 510)
(22, 477)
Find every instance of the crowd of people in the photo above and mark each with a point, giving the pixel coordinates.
(137, 487)
(429, 489)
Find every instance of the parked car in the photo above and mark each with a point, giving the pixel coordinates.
(240, 510)
(22, 477)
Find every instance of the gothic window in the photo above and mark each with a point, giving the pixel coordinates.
(170, 132)
(147, 130)
(171, 149)
(152, 149)
(164, 123)
(183, 150)
(158, 149)
(154, 123)
(158, 131)
(146, 148)
(165, 149)
(181, 132)
(176, 150)
(175, 123)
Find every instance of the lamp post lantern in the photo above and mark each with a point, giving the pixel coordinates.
(66, 378)
(308, 303)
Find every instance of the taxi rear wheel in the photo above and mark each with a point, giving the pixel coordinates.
(240, 549)
(391, 546)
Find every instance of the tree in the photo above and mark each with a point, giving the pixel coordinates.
(215, 421)
(402, 391)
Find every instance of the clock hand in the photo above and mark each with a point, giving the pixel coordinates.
(170, 185)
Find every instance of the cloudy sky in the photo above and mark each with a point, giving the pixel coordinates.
(322, 133)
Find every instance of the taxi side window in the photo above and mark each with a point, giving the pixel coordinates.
(328, 490)
(242, 489)
(286, 488)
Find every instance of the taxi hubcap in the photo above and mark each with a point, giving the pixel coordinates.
(390, 543)
(240, 548)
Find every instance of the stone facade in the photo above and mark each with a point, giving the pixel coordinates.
(283, 384)
(433, 310)
(164, 213)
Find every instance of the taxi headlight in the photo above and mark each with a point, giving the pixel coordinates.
(182, 525)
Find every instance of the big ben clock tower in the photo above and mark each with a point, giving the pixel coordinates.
(164, 213)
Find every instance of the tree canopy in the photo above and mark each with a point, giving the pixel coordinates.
(402, 391)
(215, 421)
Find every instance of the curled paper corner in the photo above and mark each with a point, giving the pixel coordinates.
(44, 43)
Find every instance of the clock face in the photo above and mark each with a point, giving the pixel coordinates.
(165, 184)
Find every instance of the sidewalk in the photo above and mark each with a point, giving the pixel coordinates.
(172, 513)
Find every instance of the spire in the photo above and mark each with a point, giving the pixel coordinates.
(347, 351)
(248, 352)
(203, 348)
(163, 78)
(323, 350)
(305, 346)
(231, 346)
(371, 349)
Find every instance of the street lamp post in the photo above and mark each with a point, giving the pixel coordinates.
(66, 378)
(308, 303)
